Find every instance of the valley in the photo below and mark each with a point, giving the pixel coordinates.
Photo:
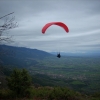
(79, 73)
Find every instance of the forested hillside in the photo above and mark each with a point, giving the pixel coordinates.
(80, 74)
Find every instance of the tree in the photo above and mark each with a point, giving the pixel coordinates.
(8, 24)
(19, 82)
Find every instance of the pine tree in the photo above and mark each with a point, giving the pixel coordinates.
(19, 82)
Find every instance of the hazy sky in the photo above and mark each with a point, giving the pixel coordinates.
(81, 16)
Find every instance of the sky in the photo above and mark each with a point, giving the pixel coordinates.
(81, 16)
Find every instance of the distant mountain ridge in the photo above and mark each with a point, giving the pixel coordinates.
(21, 56)
(87, 54)
(23, 51)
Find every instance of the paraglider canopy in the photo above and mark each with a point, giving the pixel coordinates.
(55, 23)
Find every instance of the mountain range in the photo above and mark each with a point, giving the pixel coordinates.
(86, 54)
(21, 56)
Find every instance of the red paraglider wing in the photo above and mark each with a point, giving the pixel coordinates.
(55, 23)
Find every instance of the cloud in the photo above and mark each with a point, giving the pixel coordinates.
(81, 16)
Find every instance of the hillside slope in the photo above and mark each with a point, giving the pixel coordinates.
(21, 56)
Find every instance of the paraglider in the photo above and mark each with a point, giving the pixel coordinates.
(58, 55)
(55, 23)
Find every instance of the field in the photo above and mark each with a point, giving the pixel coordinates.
(79, 73)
